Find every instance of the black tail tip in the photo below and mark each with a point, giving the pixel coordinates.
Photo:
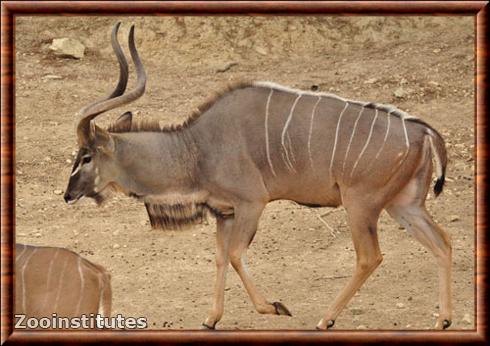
(439, 185)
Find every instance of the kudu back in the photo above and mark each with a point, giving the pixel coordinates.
(258, 142)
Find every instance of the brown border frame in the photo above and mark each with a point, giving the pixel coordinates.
(10, 9)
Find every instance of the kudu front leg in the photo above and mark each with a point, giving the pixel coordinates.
(246, 223)
(365, 239)
(223, 231)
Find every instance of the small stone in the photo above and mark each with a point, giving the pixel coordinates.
(435, 314)
(400, 305)
(356, 311)
(437, 50)
(400, 93)
(454, 218)
(361, 326)
(466, 318)
(371, 81)
(58, 192)
(116, 232)
(68, 47)
(116, 246)
(68, 161)
(37, 234)
(52, 76)
(260, 50)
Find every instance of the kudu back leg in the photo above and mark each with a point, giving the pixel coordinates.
(420, 224)
(363, 223)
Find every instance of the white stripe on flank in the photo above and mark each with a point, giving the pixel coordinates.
(289, 165)
(366, 144)
(436, 156)
(311, 131)
(290, 147)
(386, 137)
(267, 149)
(407, 150)
(351, 138)
(22, 278)
(336, 138)
(82, 284)
(60, 285)
(48, 276)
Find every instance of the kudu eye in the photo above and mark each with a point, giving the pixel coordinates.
(86, 159)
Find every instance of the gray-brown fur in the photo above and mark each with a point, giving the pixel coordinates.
(260, 142)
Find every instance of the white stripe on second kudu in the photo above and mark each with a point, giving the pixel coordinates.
(82, 284)
(288, 163)
(48, 276)
(366, 144)
(22, 278)
(267, 149)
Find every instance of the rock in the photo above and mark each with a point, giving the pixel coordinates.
(67, 47)
(400, 305)
(52, 77)
(361, 326)
(454, 218)
(260, 50)
(466, 319)
(401, 92)
(437, 50)
(226, 67)
(356, 311)
(116, 246)
(371, 81)
(68, 161)
(58, 192)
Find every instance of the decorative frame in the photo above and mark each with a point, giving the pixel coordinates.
(11, 9)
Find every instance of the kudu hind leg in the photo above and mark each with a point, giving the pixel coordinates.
(364, 235)
(246, 226)
(420, 224)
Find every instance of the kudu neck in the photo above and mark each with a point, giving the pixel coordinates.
(156, 162)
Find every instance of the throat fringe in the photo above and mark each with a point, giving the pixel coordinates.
(175, 216)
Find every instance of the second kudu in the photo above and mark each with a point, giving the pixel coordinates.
(260, 142)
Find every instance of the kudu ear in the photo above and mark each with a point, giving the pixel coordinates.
(123, 123)
(100, 139)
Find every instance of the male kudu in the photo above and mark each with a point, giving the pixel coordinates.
(259, 142)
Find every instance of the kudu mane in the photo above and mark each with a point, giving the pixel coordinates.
(145, 125)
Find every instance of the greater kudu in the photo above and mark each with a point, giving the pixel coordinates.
(259, 142)
(52, 280)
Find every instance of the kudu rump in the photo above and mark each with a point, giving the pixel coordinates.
(260, 142)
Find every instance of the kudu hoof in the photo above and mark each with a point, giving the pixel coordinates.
(444, 324)
(330, 324)
(205, 326)
(281, 309)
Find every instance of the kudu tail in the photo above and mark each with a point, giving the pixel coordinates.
(438, 150)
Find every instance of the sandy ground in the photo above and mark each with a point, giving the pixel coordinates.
(168, 276)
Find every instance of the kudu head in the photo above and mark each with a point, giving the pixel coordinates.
(95, 167)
